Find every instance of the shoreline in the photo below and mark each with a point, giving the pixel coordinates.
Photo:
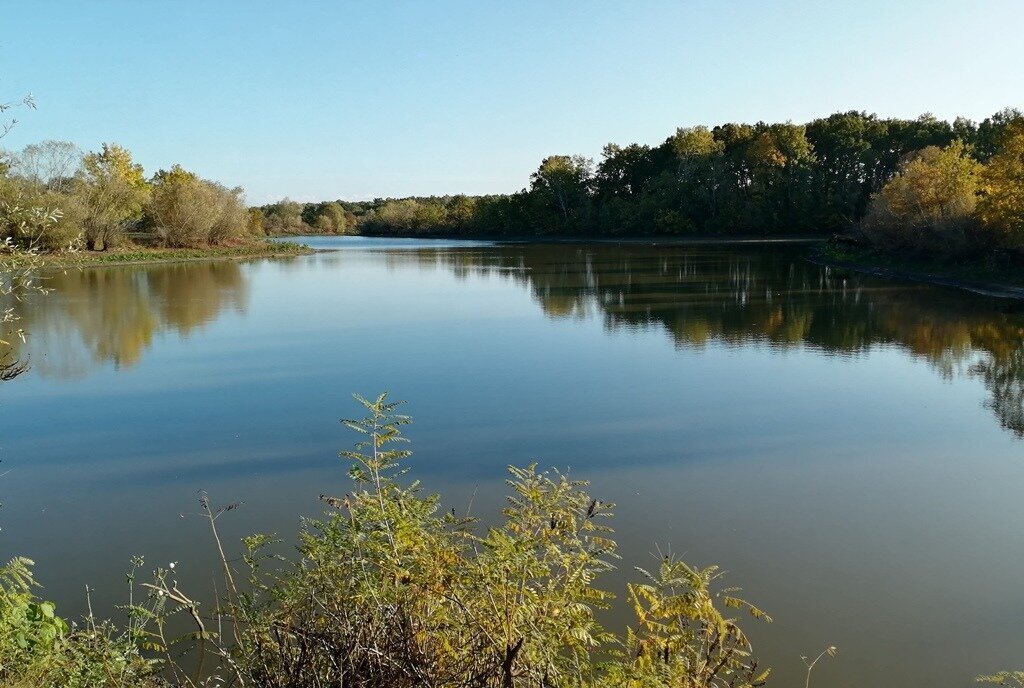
(635, 240)
(980, 287)
(293, 248)
(150, 256)
(990, 288)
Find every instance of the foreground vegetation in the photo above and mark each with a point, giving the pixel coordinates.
(391, 590)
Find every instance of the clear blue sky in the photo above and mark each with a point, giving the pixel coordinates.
(319, 100)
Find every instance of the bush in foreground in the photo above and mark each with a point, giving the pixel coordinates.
(390, 590)
(38, 649)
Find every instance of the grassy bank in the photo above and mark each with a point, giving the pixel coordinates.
(994, 275)
(130, 255)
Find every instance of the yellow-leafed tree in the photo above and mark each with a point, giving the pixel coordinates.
(1001, 207)
(929, 205)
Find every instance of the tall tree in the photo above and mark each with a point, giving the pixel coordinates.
(114, 192)
(561, 186)
(50, 164)
(846, 159)
(1001, 208)
(989, 136)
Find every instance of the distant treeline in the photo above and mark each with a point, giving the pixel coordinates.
(291, 217)
(814, 178)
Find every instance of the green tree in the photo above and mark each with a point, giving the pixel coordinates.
(113, 193)
(988, 138)
(328, 217)
(431, 216)
(460, 211)
(699, 168)
(846, 160)
(399, 214)
(623, 171)
(560, 189)
(284, 217)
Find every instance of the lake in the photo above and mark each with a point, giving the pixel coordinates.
(848, 448)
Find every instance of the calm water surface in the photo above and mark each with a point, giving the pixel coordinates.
(848, 448)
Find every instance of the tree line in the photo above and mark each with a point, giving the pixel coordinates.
(835, 174)
(921, 184)
(291, 217)
(55, 197)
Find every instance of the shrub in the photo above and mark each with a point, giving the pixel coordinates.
(929, 204)
(188, 211)
(39, 649)
(37, 218)
(393, 591)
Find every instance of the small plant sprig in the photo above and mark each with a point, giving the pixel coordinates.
(27, 101)
(829, 651)
(682, 633)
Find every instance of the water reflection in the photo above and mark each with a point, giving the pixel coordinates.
(819, 434)
(111, 315)
(697, 296)
(770, 297)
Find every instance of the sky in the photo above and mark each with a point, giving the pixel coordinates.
(357, 100)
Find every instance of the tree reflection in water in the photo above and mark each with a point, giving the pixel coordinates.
(697, 295)
(111, 315)
(770, 297)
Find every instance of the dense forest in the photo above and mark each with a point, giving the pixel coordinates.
(918, 183)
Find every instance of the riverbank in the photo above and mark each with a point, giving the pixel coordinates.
(707, 239)
(669, 241)
(998, 279)
(138, 255)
